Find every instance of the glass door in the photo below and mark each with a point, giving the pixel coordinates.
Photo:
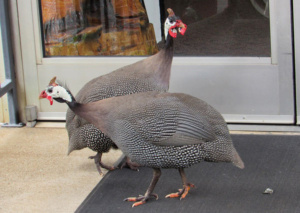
(236, 54)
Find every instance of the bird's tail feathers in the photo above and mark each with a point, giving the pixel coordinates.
(237, 161)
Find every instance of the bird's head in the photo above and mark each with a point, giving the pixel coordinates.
(173, 24)
(56, 92)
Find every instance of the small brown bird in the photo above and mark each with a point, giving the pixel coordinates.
(157, 130)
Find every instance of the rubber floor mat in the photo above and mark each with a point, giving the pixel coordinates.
(271, 161)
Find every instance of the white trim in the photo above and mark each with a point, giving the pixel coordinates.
(264, 119)
(52, 116)
(37, 31)
(221, 60)
(297, 55)
(51, 124)
(264, 129)
(176, 60)
(267, 119)
(273, 31)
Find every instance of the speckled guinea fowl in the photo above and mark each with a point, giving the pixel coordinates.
(152, 73)
(158, 130)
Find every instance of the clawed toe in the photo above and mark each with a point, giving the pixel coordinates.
(110, 168)
(92, 157)
(182, 192)
(99, 164)
(132, 165)
(140, 199)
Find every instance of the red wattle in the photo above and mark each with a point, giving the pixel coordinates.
(50, 99)
(174, 35)
(182, 30)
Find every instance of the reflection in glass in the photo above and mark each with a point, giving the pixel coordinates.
(223, 27)
(96, 27)
(121, 27)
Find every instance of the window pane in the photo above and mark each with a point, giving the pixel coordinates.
(223, 27)
(122, 27)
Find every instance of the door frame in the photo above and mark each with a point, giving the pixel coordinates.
(273, 75)
(296, 17)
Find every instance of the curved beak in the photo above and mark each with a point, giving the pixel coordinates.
(44, 95)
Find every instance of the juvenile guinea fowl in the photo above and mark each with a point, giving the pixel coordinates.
(152, 73)
(158, 130)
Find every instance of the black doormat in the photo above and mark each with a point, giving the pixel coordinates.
(271, 161)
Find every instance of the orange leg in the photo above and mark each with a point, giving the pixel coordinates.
(142, 199)
(186, 187)
(182, 192)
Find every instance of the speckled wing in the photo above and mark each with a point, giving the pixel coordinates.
(167, 121)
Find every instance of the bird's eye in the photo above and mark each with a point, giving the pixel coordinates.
(50, 90)
(171, 21)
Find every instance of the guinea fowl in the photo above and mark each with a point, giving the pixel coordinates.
(158, 130)
(152, 73)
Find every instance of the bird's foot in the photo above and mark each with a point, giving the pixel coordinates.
(140, 199)
(110, 168)
(99, 164)
(132, 165)
(182, 192)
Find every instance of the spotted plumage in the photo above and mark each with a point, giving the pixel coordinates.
(150, 74)
(162, 130)
(95, 139)
(161, 125)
